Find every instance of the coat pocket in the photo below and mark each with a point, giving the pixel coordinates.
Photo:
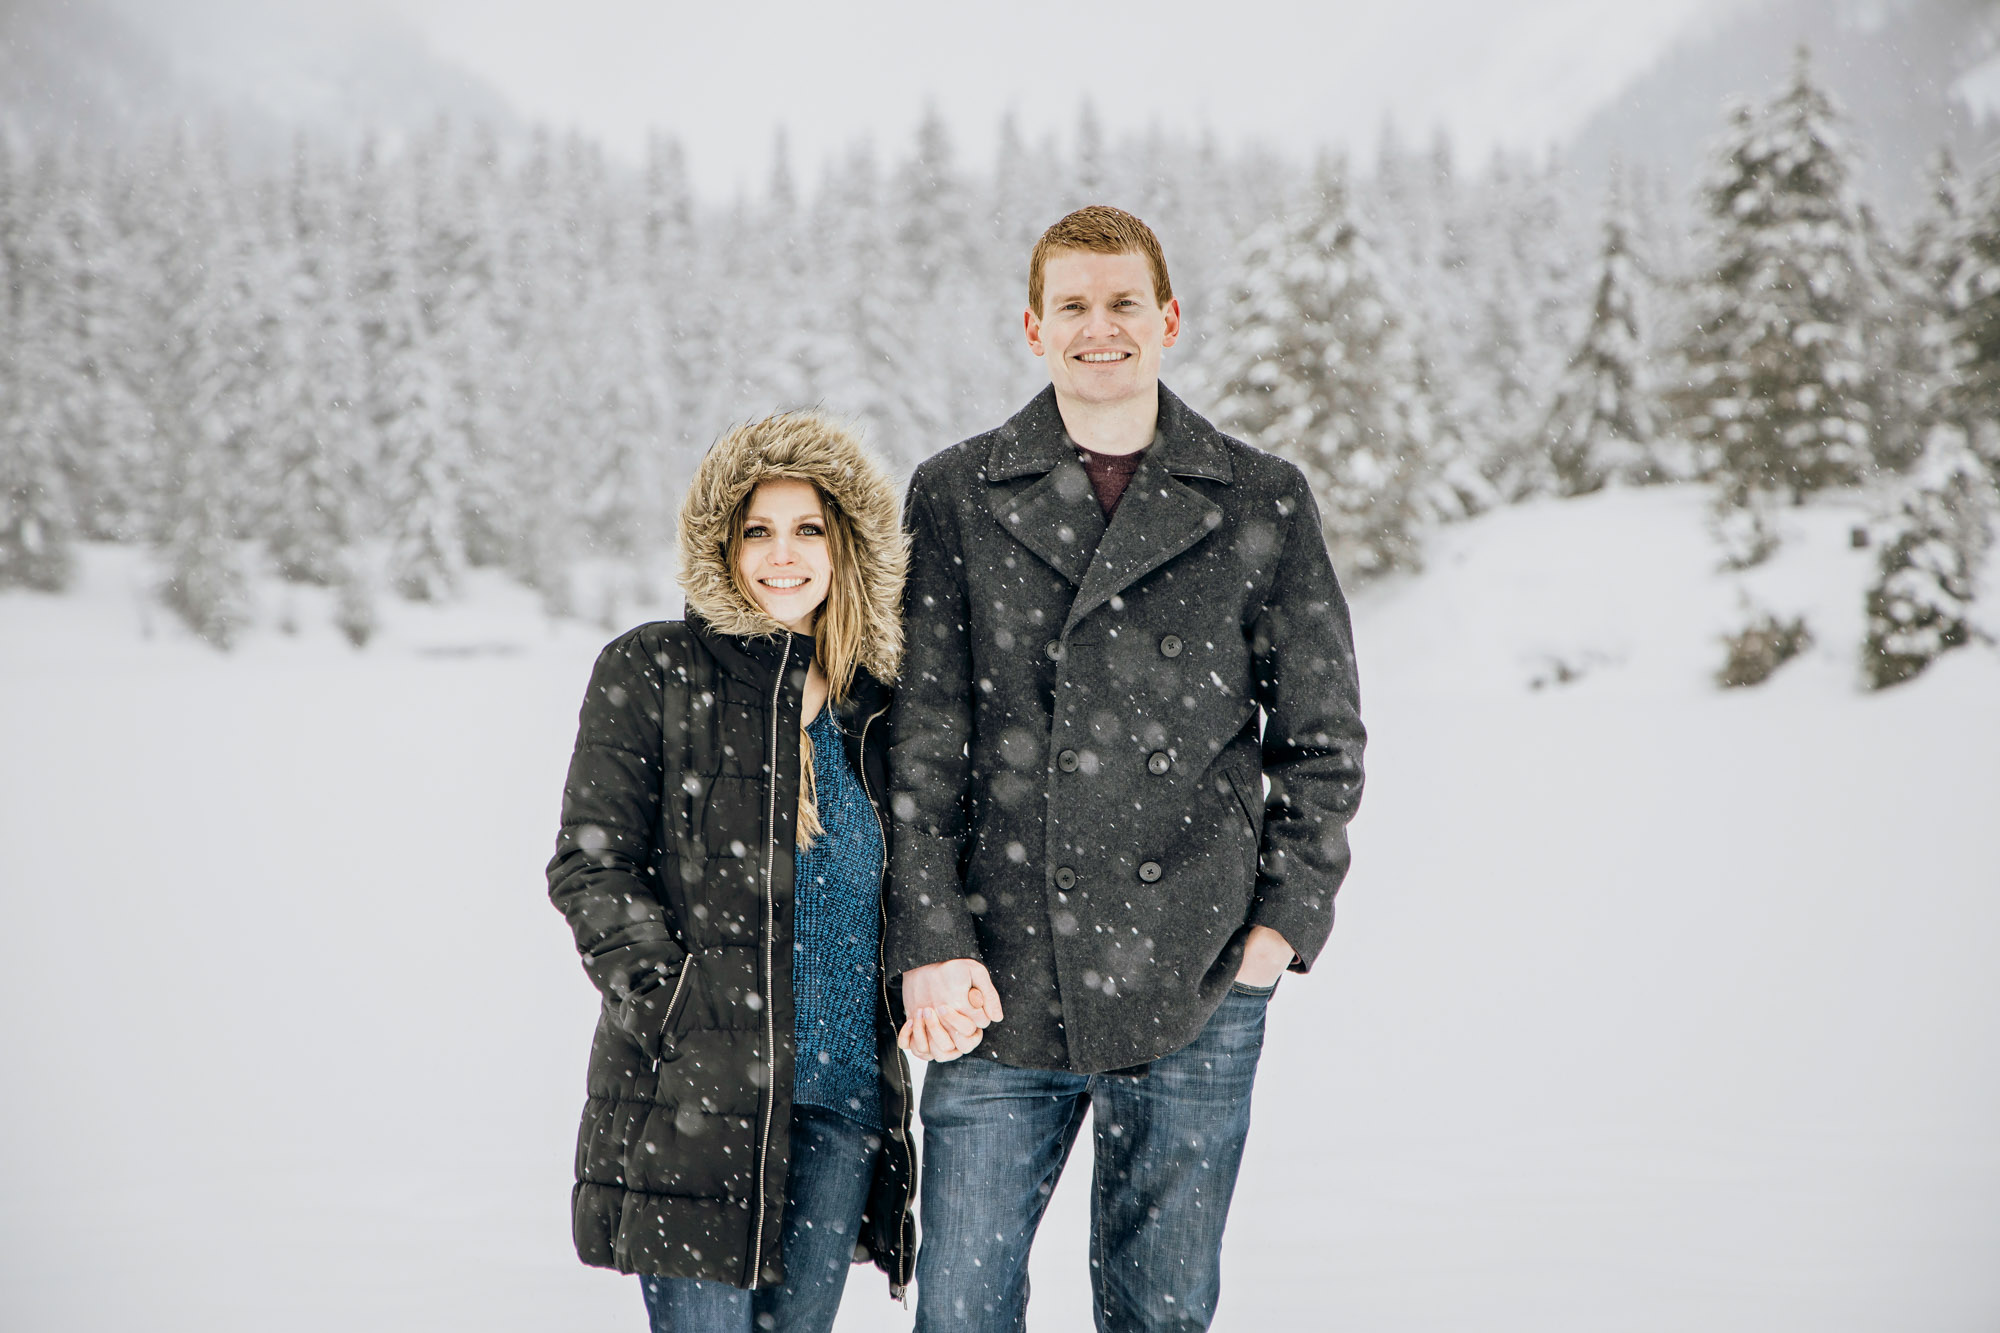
(1253, 810)
(653, 1018)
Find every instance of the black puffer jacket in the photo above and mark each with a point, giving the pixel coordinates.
(674, 868)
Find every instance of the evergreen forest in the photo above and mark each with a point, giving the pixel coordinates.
(375, 369)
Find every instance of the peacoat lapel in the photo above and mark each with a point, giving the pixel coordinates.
(1058, 518)
(1159, 516)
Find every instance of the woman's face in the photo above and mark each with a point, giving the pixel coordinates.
(785, 557)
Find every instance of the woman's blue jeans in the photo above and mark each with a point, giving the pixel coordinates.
(1168, 1144)
(833, 1160)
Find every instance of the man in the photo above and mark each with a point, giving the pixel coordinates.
(1122, 628)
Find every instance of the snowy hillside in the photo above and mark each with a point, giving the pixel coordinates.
(1915, 75)
(1651, 1007)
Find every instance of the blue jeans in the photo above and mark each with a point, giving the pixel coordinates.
(833, 1160)
(1169, 1142)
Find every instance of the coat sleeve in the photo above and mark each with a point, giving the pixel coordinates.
(929, 765)
(1303, 654)
(604, 877)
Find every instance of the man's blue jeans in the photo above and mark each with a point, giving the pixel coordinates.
(833, 1160)
(1169, 1142)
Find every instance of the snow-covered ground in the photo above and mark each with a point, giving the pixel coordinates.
(1650, 1008)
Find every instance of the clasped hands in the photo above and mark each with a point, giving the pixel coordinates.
(951, 1004)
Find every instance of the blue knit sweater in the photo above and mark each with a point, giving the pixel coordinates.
(836, 933)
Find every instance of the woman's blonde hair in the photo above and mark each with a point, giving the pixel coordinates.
(839, 628)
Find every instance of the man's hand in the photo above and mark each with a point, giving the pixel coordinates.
(949, 1006)
(1265, 958)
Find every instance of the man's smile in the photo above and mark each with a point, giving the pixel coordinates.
(1106, 355)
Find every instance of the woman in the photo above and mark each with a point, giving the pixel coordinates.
(747, 1130)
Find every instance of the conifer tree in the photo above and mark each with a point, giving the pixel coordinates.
(35, 526)
(1970, 329)
(1320, 369)
(312, 392)
(1780, 389)
(201, 398)
(1934, 544)
(1602, 428)
(409, 408)
(34, 494)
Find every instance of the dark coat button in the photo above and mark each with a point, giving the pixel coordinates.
(1170, 646)
(1158, 763)
(1066, 761)
(1149, 871)
(1054, 649)
(1066, 878)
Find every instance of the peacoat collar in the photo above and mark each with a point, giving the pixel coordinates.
(1059, 519)
(1033, 442)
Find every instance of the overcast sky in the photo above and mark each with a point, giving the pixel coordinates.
(725, 76)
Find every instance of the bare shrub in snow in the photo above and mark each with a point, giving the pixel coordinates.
(1758, 649)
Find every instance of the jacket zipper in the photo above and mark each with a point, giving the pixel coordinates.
(902, 1282)
(770, 929)
(680, 984)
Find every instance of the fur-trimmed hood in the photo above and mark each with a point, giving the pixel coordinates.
(804, 446)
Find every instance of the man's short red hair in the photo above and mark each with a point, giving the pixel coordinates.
(1104, 230)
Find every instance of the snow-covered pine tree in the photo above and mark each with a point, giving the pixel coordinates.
(35, 526)
(408, 405)
(310, 396)
(80, 294)
(1780, 387)
(1971, 326)
(1319, 368)
(626, 397)
(1934, 545)
(34, 490)
(461, 272)
(682, 308)
(200, 402)
(932, 271)
(1603, 426)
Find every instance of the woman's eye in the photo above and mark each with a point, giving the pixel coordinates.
(755, 530)
(811, 530)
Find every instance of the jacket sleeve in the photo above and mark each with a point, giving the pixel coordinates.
(604, 877)
(1303, 654)
(929, 765)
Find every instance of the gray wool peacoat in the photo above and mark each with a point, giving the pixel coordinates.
(1087, 717)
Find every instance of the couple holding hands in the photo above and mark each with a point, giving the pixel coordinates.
(1043, 775)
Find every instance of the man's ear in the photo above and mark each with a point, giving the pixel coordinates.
(1031, 324)
(1173, 313)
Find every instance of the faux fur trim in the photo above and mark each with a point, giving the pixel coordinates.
(808, 447)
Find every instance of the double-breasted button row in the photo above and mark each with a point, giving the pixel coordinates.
(1149, 871)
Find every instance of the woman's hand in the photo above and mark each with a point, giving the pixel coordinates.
(949, 1006)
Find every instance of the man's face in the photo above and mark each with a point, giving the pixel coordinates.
(1100, 328)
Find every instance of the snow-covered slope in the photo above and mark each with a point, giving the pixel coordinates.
(1651, 1007)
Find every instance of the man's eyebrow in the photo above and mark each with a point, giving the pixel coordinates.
(1078, 296)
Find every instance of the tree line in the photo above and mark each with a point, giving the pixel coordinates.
(375, 370)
